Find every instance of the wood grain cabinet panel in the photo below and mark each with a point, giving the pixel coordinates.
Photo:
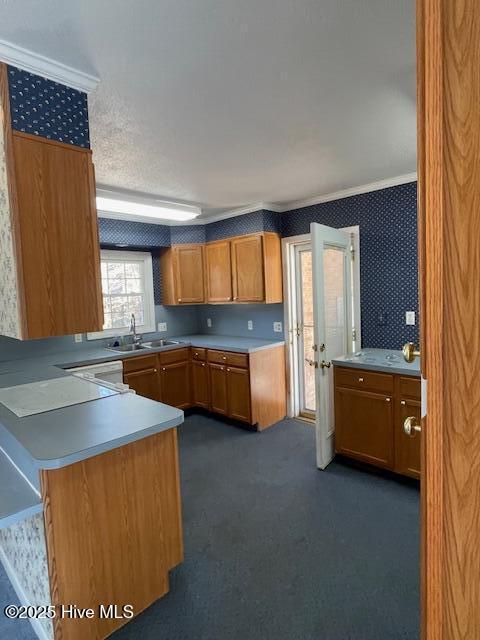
(50, 217)
(145, 382)
(200, 385)
(218, 388)
(175, 384)
(364, 426)
(247, 268)
(238, 394)
(218, 271)
(182, 269)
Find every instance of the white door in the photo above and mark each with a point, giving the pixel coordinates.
(333, 325)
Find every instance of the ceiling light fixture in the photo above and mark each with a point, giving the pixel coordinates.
(156, 210)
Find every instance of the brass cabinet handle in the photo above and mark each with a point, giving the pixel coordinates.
(387, 399)
(228, 369)
(410, 352)
(203, 364)
(410, 426)
(360, 379)
(163, 369)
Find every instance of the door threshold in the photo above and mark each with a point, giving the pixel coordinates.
(304, 418)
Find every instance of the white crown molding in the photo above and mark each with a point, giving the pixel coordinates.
(46, 67)
(347, 193)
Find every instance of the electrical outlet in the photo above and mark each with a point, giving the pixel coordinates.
(162, 326)
(78, 337)
(250, 325)
(277, 327)
(410, 317)
(209, 322)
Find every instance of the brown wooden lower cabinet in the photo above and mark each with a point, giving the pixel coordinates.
(141, 375)
(113, 530)
(250, 388)
(175, 384)
(370, 409)
(218, 388)
(238, 394)
(200, 385)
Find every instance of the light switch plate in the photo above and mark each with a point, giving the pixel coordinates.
(78, 337)
(410, 317)
(277, 327)
(250, 325)
(209, 322)
(162, 326)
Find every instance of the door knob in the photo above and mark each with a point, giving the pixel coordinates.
(312, 363)
(410, 352)
(325, 365)
(410, 426)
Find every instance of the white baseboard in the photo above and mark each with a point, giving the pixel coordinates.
(22, 596)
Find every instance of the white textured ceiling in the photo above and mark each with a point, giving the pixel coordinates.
(225, 103)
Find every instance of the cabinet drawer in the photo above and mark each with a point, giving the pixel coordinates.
(228, 357)
(199, 354)
(175, 355)
(220, 357)
(237, 359)
(410, 387)
(362, 379)
(139, 363)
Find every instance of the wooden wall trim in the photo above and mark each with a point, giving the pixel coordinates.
(55, 143)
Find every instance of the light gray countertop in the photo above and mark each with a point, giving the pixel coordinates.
(385, 360)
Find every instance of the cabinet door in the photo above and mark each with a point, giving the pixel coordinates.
(218, 271)
(364, 426)
(189, 285)
(200, 395)
(247, 269)
(238, 394)
(407, 449)
(175, 384)
(218, 388)
(58, 236)
(145, 382)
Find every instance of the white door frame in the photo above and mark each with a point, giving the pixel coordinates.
(289, 308)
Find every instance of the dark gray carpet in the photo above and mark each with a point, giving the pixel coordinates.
(275, 549)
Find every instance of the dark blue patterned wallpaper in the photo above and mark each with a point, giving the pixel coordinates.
(48, 109)
(388, 257)
(133, 234)
(187, 233)
(241, 225)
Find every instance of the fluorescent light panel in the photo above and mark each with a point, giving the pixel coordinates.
(160, 211)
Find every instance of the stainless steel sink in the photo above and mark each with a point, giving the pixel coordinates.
(127, 347)
(160, 343)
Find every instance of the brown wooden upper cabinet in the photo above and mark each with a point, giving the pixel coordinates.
(257, 268)
(236, 270)
(49, 235)
(182, 268)
(218, 271)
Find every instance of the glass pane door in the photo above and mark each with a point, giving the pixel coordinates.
(304, 330)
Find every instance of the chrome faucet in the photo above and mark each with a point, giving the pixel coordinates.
(136, 338)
